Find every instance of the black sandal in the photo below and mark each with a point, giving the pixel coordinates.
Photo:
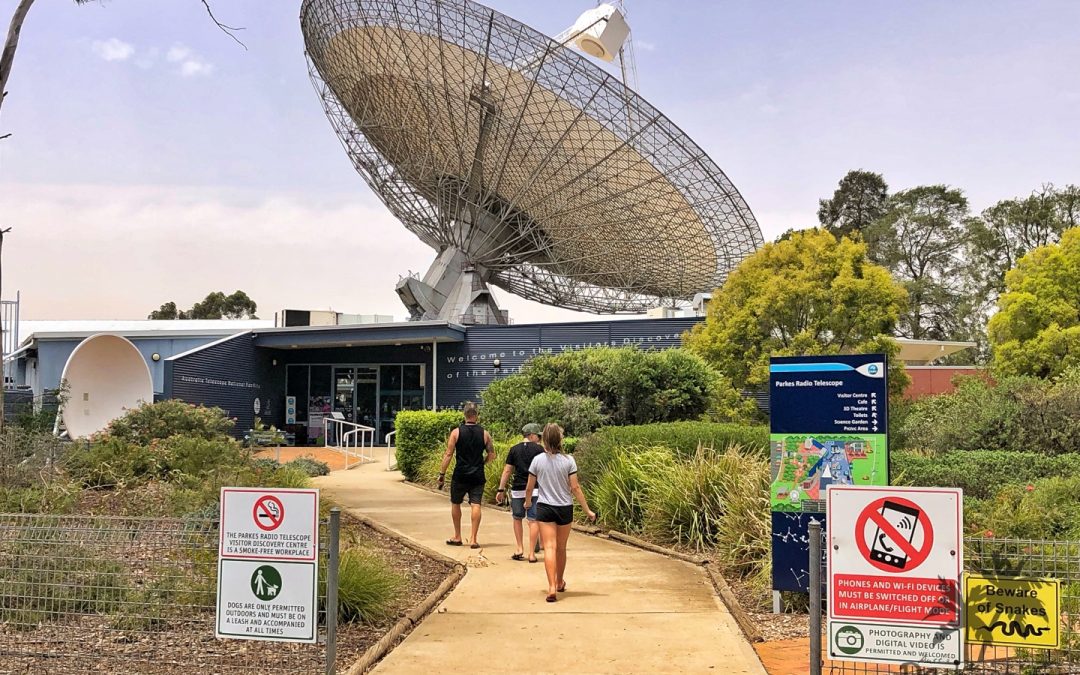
(518, 556)
(453, 542)
(552, 598)
(563, 589)
(533, 560)
(474, 545)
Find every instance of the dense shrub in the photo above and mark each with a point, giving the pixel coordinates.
(419, 433)
(593, 451)
(1016, 413)
(111, 462)
(507, 412)
(368, 588)
(156, 421)
(1045, 509)
(981, 473)
(633, 386)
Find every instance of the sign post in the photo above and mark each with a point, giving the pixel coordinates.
(895, 560)
(268, 564)
(828, 419)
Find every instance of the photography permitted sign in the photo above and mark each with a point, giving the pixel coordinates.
(895, 559)
(260, 600)
(1013, 611)
(856, 641)
(260, 524)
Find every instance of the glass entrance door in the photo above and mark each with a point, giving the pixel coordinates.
(343, 392)
(366, 396)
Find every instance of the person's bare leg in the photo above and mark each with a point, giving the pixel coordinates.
(517, 536)
(477, 513)
(455, 515)
(561, 537)
(548, 535)
(534, 536)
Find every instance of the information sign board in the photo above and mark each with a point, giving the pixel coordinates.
(1014, 611)
(828, 418)
(895, 558)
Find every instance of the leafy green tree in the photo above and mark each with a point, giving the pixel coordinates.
(1037, 328)
(920, 239)
(861, 198)
(1008, 230)
(215, 305)
(810, 294)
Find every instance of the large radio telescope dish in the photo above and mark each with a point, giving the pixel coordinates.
(523, 163)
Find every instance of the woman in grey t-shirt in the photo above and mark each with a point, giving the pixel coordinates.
(556, 474)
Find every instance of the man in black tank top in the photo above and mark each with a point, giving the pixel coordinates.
(474, 449)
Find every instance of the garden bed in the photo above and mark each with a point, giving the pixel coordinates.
(95, 642)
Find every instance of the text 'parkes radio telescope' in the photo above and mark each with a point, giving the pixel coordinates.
(523, 163)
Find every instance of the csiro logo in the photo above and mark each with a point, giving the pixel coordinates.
(849, 640)
(873, 369)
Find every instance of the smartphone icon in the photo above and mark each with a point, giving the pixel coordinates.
(904, 519)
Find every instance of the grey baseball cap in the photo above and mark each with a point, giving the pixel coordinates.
(532, 429)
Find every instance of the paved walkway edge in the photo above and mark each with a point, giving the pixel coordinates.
(719, 583)
(405, 625)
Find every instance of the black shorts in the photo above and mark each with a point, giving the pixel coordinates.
(560, 515)
(459, 487)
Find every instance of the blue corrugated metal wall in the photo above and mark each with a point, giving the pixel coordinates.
(231, 375)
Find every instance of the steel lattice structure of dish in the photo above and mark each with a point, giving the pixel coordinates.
(520, 160)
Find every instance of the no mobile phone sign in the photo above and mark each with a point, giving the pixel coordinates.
(895, 559)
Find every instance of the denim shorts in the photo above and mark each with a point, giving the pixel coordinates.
(517, 508)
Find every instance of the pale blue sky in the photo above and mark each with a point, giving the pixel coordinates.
(153, 158)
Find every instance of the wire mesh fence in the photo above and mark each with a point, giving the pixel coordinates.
(1009, 559)
(125, 595)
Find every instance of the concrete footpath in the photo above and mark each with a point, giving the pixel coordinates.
(625, 610)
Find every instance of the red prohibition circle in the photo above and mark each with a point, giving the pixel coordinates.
(264, 513)
(915, 556)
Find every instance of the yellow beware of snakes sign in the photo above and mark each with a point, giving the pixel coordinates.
(1014, 611)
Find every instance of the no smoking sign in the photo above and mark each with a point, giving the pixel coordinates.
(268, 513)
(261, 524)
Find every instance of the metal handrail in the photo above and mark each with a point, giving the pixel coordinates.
(359, 436)
(388, 447)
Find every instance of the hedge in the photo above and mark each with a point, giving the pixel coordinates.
(593, 451)
(981, 473)
(419, 433)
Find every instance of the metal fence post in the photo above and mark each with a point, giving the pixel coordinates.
(815, 597)
(332, 590)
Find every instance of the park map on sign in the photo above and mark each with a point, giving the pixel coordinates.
(804, 465)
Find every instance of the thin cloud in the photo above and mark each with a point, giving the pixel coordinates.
(190, 64)
(645, 46)
(113, 49)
